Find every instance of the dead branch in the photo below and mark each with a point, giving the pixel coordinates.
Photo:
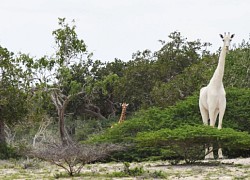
(9, 135)
(41, 133)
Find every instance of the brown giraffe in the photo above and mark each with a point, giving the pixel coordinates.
(123, 114)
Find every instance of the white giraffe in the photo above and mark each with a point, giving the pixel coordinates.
(212, 99)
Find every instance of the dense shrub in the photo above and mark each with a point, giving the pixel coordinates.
(237, 66)
(185, 112)
(189, 142)
(7, 151)
(185, 84)
(237, 115)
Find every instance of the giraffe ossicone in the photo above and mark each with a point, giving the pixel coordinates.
(212, 100)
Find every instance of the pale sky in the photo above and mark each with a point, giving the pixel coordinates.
(118, 28)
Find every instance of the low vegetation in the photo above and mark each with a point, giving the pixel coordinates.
(73, 157)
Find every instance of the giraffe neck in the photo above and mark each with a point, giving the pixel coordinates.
(219, 72)
(123, 114)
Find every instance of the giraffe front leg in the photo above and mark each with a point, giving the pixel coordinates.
(204, 115)
(222, 109)
(220, 155)
(209, 152)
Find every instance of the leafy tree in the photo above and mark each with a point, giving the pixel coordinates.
(69, 48)
(237, 67)
(156, 77)
(178, 54)
(137, 82)
(237, 114)
(13, 86)
(185, 84)
(67, 75)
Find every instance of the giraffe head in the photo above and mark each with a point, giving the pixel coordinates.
(227, 38)
(124, 105)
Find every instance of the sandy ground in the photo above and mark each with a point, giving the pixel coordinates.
(227, 169)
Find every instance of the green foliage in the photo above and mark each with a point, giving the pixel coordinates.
(194, 77)
(237, 114)
(177, 54)
(237, 66)
(124, 132)
(188, 141)
(13, 105)
(137, 82)
(13, 90)
(185, 84)
(185, 112)
(137, 171)
(72, 61)
(88, 127)
(148, 73)
(7, 152)
(106, 84)
(158, 175)
(67, 41)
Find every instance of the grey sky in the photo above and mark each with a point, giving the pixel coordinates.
(117, 28)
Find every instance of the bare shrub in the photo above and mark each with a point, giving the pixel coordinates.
(73, 157)
(9, 135)
(42, 132)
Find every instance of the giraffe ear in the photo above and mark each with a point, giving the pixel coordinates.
(232, 35)
(221, 36)
(127, 104)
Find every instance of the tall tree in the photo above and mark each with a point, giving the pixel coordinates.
(69, 53)
(68, 76)
(13, 86)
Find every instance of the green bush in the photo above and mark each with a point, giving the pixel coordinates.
(237, 115)
(7, 152)
(185, 112)
(189, 142)
(237, 65)
(137, 171)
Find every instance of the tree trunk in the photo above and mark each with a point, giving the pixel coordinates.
(61, 105)
(62, 129)
(2, 133)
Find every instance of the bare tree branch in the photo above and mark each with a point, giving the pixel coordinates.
(73, 157)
